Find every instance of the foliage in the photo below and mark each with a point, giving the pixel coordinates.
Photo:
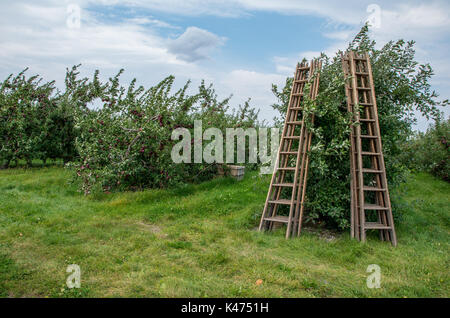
(38, 123)
(115, 137)
(429, 151)
(27, 113)
(401, 87)
(126, 142)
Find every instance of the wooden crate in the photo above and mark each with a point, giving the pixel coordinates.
(237, 172)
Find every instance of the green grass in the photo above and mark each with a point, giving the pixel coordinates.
(200, 241)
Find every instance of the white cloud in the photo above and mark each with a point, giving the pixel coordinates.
(257, 85)
(153, 22)
(37, 36)
(285, 65)
(424, 16)
(339, 35)
(428, 25)
(195, 44)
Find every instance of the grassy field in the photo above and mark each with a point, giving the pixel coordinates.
(200, 241)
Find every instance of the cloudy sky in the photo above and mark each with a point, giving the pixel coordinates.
(242, 46)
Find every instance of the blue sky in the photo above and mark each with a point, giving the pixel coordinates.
(242, 46)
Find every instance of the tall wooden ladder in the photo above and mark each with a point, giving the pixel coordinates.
(370, 203)
(288, 183)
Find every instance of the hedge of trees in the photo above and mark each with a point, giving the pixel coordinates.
(33, 125)
(114, 137)
(430, 151)
(126, 143)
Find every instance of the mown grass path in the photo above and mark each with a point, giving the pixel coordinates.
(200, 241)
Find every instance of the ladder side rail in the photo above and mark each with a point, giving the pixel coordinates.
(353, 211)
(302, 151)
(358, 146)
(314, 92)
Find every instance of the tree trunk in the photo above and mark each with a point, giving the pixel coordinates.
(6, 164)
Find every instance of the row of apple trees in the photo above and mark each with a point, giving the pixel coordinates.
(33, 125)
(113, 136)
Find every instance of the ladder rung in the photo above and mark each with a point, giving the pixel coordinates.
(282, 201)
(368, 153)
(365, 104)
(283, 184)
(288, 152)
(300, 81)
(367, 170)
(364, 88)
(295, 108)
(368, 206)
(291, 137)
(366, 188)
(369, 137)
(287, 168)
(294, 122)
(376, 226)
(367, 120)
(278, 218)
(303, 68)
(362, 73)
(359, 59)
(297, 94)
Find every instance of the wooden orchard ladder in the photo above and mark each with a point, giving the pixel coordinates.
(288, 183)
(369, 188)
